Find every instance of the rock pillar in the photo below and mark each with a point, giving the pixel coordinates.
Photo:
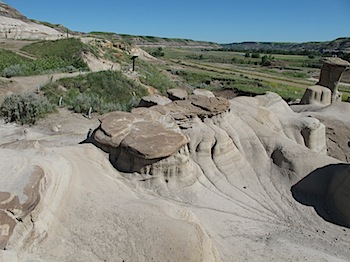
(331, 72)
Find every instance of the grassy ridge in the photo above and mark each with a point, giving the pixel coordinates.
(48, 56)
(104, 91)
(65, 51)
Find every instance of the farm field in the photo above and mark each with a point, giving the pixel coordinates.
(287, 75)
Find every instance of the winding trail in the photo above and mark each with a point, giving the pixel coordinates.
(23, 84)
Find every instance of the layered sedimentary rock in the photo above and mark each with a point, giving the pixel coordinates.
(200, 179)
(331, 72)
(14, 25)
(153, 100)
(326, 90)
(317, 94)
(159, 140)
(17, 29)
(149, 141)
(139, 143)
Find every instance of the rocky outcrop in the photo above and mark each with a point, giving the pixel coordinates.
(203, 92)
(317, 94)
(326, 90)
(330, 197)
(213, 176)
(177, 94)
(8, 11)
(152, 100)
(155, 141)
(17, 205)
(149, 141)
(17, 29)
(139, 143)
(14, 25)
(331, 72)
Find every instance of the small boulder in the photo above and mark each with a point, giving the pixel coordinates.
(177, 94)
(203, 92)
(153, 100)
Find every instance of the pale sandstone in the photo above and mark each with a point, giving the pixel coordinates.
(236, 189)
(331, 72)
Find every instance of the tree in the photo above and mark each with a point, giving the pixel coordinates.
(158, 52)
(266, 60)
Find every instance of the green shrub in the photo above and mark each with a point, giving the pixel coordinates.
(25, 109)
(59, 54)
(152, 76)
(12, 70)
(158, 52)
(104, 91)
(295, 74)
(48, 56)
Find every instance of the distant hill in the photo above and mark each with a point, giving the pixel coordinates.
(15, 25)
(339, 45)
(154, 41)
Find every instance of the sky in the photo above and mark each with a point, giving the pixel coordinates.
(220, 21)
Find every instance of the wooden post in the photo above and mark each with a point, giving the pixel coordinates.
(133, 58)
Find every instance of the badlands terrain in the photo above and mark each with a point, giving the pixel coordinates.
(192, 178)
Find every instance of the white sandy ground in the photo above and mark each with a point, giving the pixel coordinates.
(239, 209)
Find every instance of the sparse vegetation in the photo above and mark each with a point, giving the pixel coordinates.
(250, 72)
(66, 52)
(104, 91)
(158, 52)
(152, 76)
(46, 57)
(26, 108)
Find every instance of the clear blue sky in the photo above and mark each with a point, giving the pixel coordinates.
(221, 21)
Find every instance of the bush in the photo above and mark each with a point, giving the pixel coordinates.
(47, 56)
(12, 70)
(158, 52)
(152, 76)
(25, 109)
(104, 91)
(266, 60)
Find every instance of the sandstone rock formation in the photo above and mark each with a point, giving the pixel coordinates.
(200, 179)
(317, 94)
(203, 92)
(136, 142)
(177, 94)
(152, 100)
(14, 25)
(327, 190)
(331, 72)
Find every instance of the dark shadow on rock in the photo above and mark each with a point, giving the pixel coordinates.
(112, 152)
(327, 190)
